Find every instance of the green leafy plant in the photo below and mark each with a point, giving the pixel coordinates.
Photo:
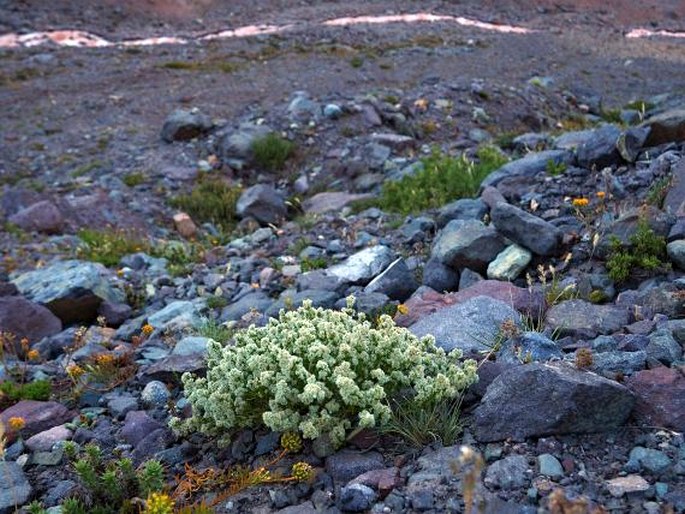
(134, 179)
(36, 507)
(554, 168)
(109, 246)
(646, 252)
(658, 191)
(272, 151)
(212, 200)
(214, 330)
(320, 373)
(110, 486)
(11, 392)
(442, 179)
(312, 263)
(216, 302)
(357, 61)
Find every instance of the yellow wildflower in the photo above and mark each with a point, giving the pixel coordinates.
(33, 355)
(147, 329)
(403, 309)
(104, 359)
(580, 202)
(601, 195)
(159, 503)
(75, 371)
(16, 423)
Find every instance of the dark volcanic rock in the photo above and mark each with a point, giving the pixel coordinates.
(42, 216)
(27, 319)
(397, 282)
(660, 396)
(529, 231)
(601, 150)
(585, 319)
(182, 125)
(541, 399)
(467, 244)
(263, 203)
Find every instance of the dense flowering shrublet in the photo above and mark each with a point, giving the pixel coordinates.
(318, 372)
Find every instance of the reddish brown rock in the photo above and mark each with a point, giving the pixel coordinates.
(40, 217)
(184, 225)
(427, 301)
(37, 416)
(382, 480)
(27, 319)
(660, 396)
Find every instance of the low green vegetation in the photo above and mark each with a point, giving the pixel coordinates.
(658, 191)
(134, 179)
(13, 392)
(272, 151)
(422, 425)
(109, 246)
(442, 179)
(212, 329)
(319, 373)
(110, 486)
(646, 253)
(554, 168)
(312, 263)
(212, 200)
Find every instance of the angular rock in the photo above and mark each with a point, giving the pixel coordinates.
(467, 244)
(468, 326)
(263, 203)
(44, 441)
(462, 209)
(397, 282)
(331, 201)
(397, 142)
(137, 425)
(361, 267)
(182, 125)
(345, 465)
(190, 345)
(185, 226)
(37, 416)
(72, 290)
(257, 302)
(425, 301)
(663, 347)
(572, 140)
(625, 226)
(674, 202)
(529, 347)
(611, 363)
(579, 318)
(509, 264)
(439, 277)
(600, 150)
(27, 319)
(325, 299)
(529, 166)
(357, 498)
(177, 314)
(115, 314)
(415, 230)
(43, 216)
(170, 368)
(550, 466)
(631, 142)
(527, 230)
(620, 486)
(648, 459)
(542, 399)
(660, 396)
(20, 490)
(676, 252)
(666, 127)
(508, 473)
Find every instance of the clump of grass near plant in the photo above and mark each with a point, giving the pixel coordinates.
(109, 246)
(646, 252)
(212, 200)
(272, 151)
(443, 179)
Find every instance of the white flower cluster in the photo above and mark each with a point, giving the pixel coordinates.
(318, 372)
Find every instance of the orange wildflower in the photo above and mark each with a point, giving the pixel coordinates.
(580, 202)
(16, 423)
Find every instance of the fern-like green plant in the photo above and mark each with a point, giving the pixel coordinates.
(646, 252)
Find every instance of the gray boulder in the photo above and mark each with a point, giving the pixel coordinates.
(17, 489)
(182, 125)
(600, 150)
(263, 203)
(527, 230)
(467, 244)
(528, 166)
(462, 209)
(468, 326)
(529, 347)
(440, 277)
(631, 142)
(509, 264)
(397, 282)
(72, 290)
(666, 127)
(579, 318)
(541, 399)
(41, 216)
(27, 319)
(361, 267)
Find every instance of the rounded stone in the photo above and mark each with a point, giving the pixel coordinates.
(155, 394)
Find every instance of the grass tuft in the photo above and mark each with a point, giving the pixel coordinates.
(212, 200)
(272, 151)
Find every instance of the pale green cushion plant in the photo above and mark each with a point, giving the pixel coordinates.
(318, 372)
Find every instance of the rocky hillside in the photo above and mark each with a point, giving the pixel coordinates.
(534, 229)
